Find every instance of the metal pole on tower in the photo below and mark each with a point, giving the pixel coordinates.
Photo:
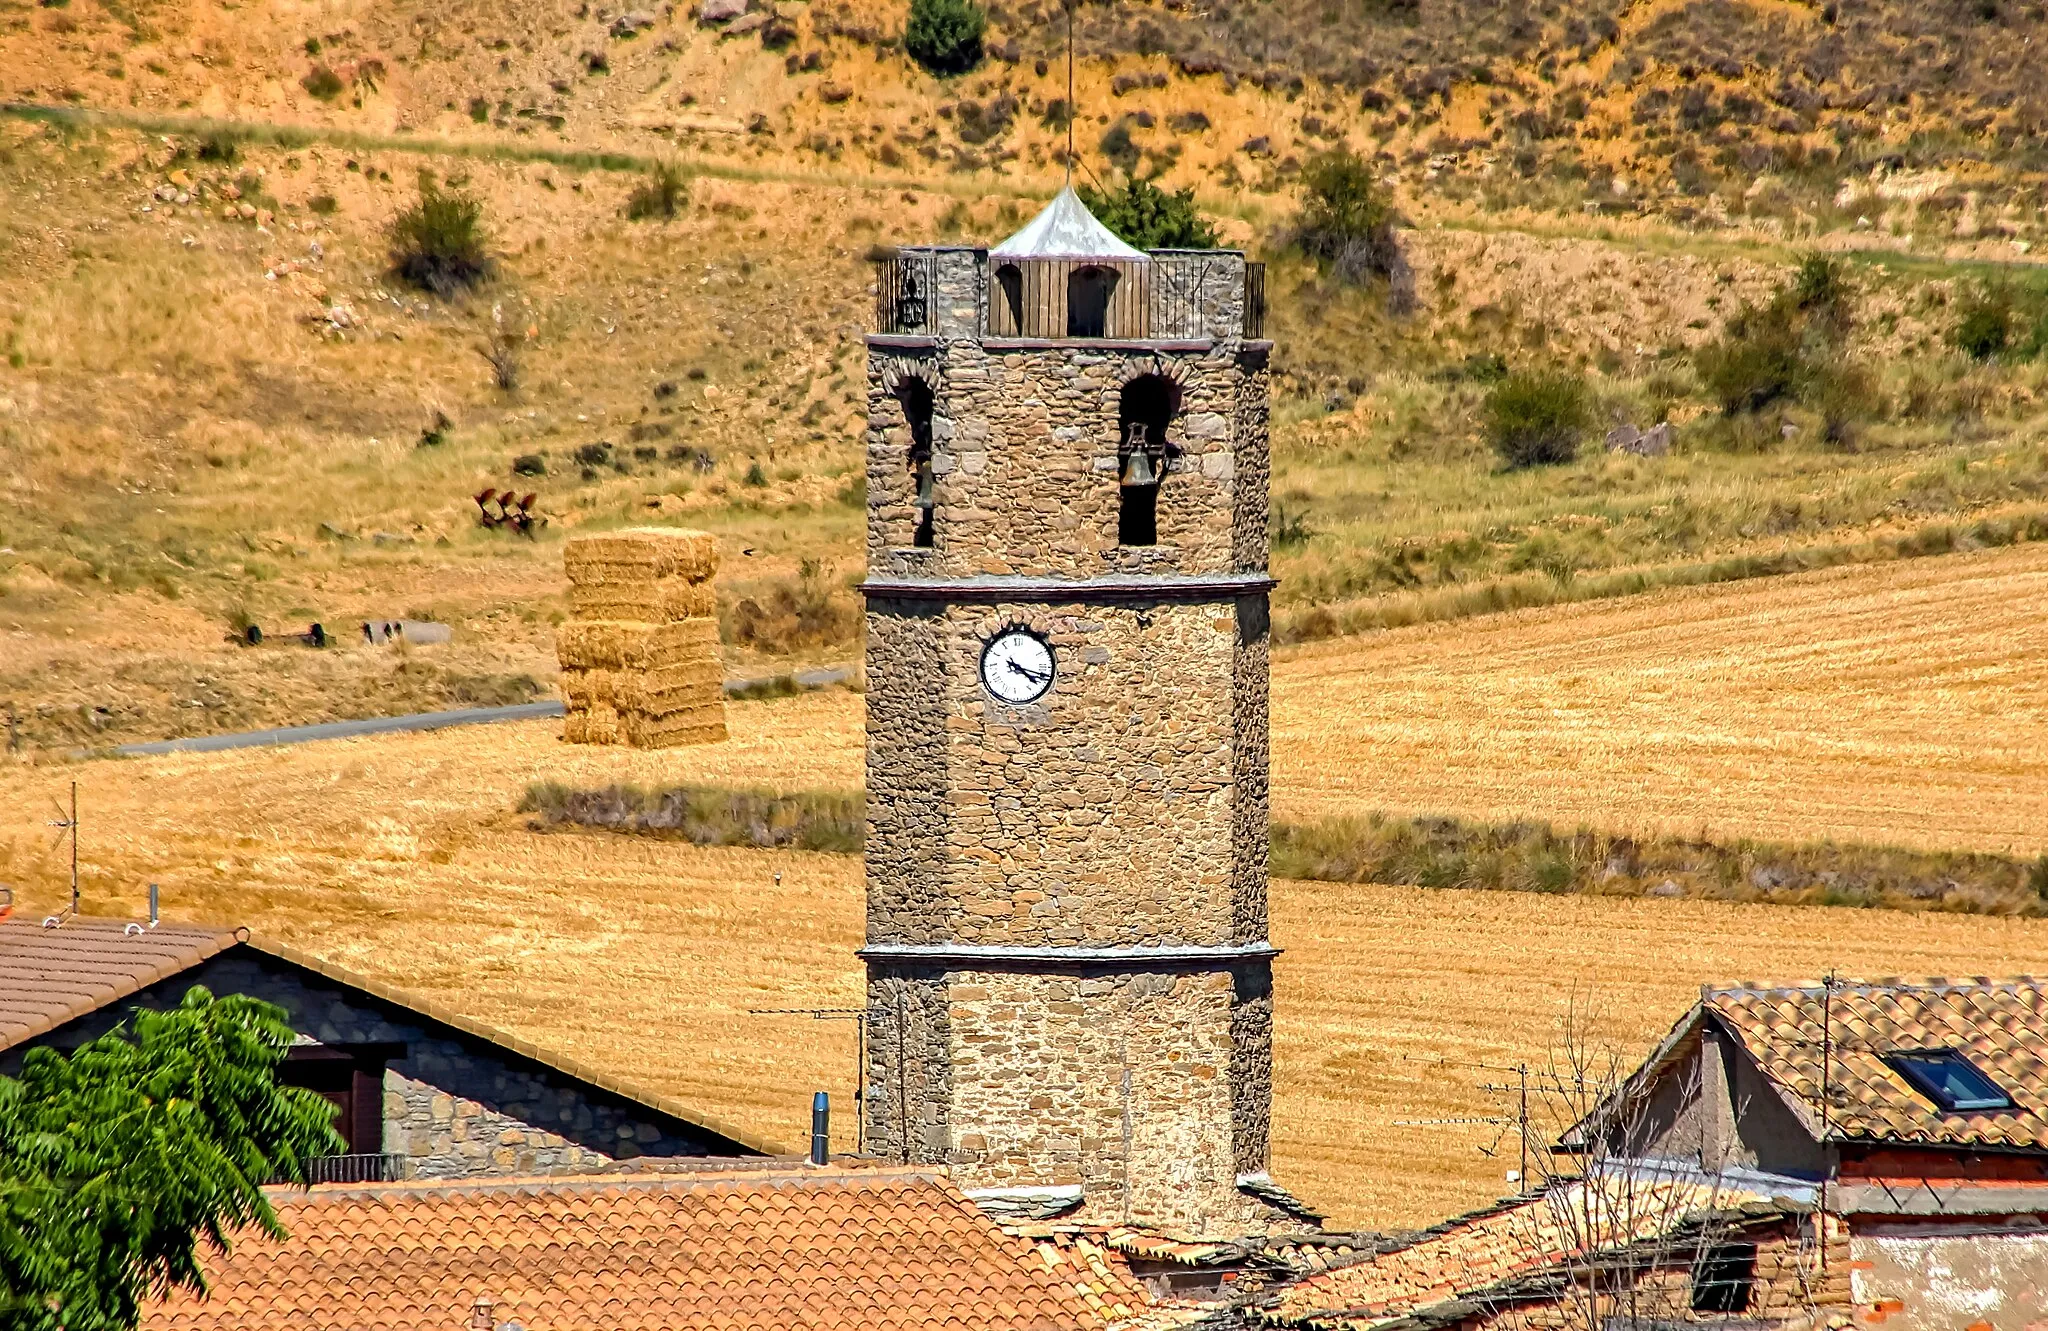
(1070, 93)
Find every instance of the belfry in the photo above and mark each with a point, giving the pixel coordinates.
(1069, 980)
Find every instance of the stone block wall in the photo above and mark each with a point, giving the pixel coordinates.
(1024, 454)
(1109, 813)
(1147, 1090)
(456, 1105)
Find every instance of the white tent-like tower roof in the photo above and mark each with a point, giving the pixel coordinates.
(1066, 230)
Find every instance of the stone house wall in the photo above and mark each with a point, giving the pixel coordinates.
(456, 1105)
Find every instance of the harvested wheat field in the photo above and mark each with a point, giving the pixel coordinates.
(401, 856)
(1896, 704)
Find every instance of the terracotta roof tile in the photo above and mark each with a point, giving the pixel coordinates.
(777, 1249)
(2001, 1025)
(1488, 1248)
(51, 976)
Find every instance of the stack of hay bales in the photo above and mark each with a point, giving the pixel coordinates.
(640, 662)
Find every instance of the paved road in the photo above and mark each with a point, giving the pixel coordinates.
(466, 716)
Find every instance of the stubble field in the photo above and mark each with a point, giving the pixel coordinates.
(402, 857)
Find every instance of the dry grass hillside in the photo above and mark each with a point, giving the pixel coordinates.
(402, 857)
(207, 420)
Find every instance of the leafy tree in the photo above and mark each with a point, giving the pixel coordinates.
(1346, 219)
(945, 35)
(437, 244)
(1144, 215)
(117, 1162)
(1533, 419)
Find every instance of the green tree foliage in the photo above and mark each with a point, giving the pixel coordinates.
(116, 1163)
(1144, 215)
(1534, 419)
(945, 35)
(437, 244)
(1346, 219)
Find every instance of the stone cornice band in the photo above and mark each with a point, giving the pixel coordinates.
(1123, 958)
(1166, 587)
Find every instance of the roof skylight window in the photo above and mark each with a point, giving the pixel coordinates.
(1951, 1081)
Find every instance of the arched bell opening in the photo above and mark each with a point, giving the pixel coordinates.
(1145, 409)
(918, 405)
(1090, 291)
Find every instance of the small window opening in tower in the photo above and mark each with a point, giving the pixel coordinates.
(1145, 408)
(1089, 291)
(916, 397)
(1010, 315)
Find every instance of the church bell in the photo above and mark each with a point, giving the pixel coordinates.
(927, 486)
(1140, 470)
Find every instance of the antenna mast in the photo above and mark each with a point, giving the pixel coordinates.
(1070, 93)
(68, 827)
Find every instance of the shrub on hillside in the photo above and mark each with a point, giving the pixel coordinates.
(1759, 358)
(1821, 289)
(1985, 329)
(945, 35)
(1346, 220)
(322, 82)
(437, 244)
(1144, 215)
(1845, 395)
(662, 194)
(1535, 419)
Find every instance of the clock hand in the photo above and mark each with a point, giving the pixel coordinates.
(1032, 675)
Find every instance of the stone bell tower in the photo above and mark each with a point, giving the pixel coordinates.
(1069, 981)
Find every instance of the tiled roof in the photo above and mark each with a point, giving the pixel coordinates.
(1491, 1248)
(51, 976)
(2000, 1025)
(760, 1249)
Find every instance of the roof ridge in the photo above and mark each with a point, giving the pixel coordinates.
(504, 1039)
(1885, 984)
(711, 1175)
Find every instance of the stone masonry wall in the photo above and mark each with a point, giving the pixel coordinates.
(460, 1106)
(1102, 815)
(1024, 451)
(1119, 1082)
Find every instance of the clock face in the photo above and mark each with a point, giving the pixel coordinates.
(1016, 666)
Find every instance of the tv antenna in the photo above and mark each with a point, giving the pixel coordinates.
(67, 826)
(858, 1016)
(1519, 1120)
(1070, 93)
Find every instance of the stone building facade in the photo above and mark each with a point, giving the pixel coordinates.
(419, 1092)
(1069, 975)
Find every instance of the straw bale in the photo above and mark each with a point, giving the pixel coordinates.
(622, 645)
(587, 644)
(583, 689)
(658, 601)
(655, 696)
(647, 732)
(598, 725)
(640, 555)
